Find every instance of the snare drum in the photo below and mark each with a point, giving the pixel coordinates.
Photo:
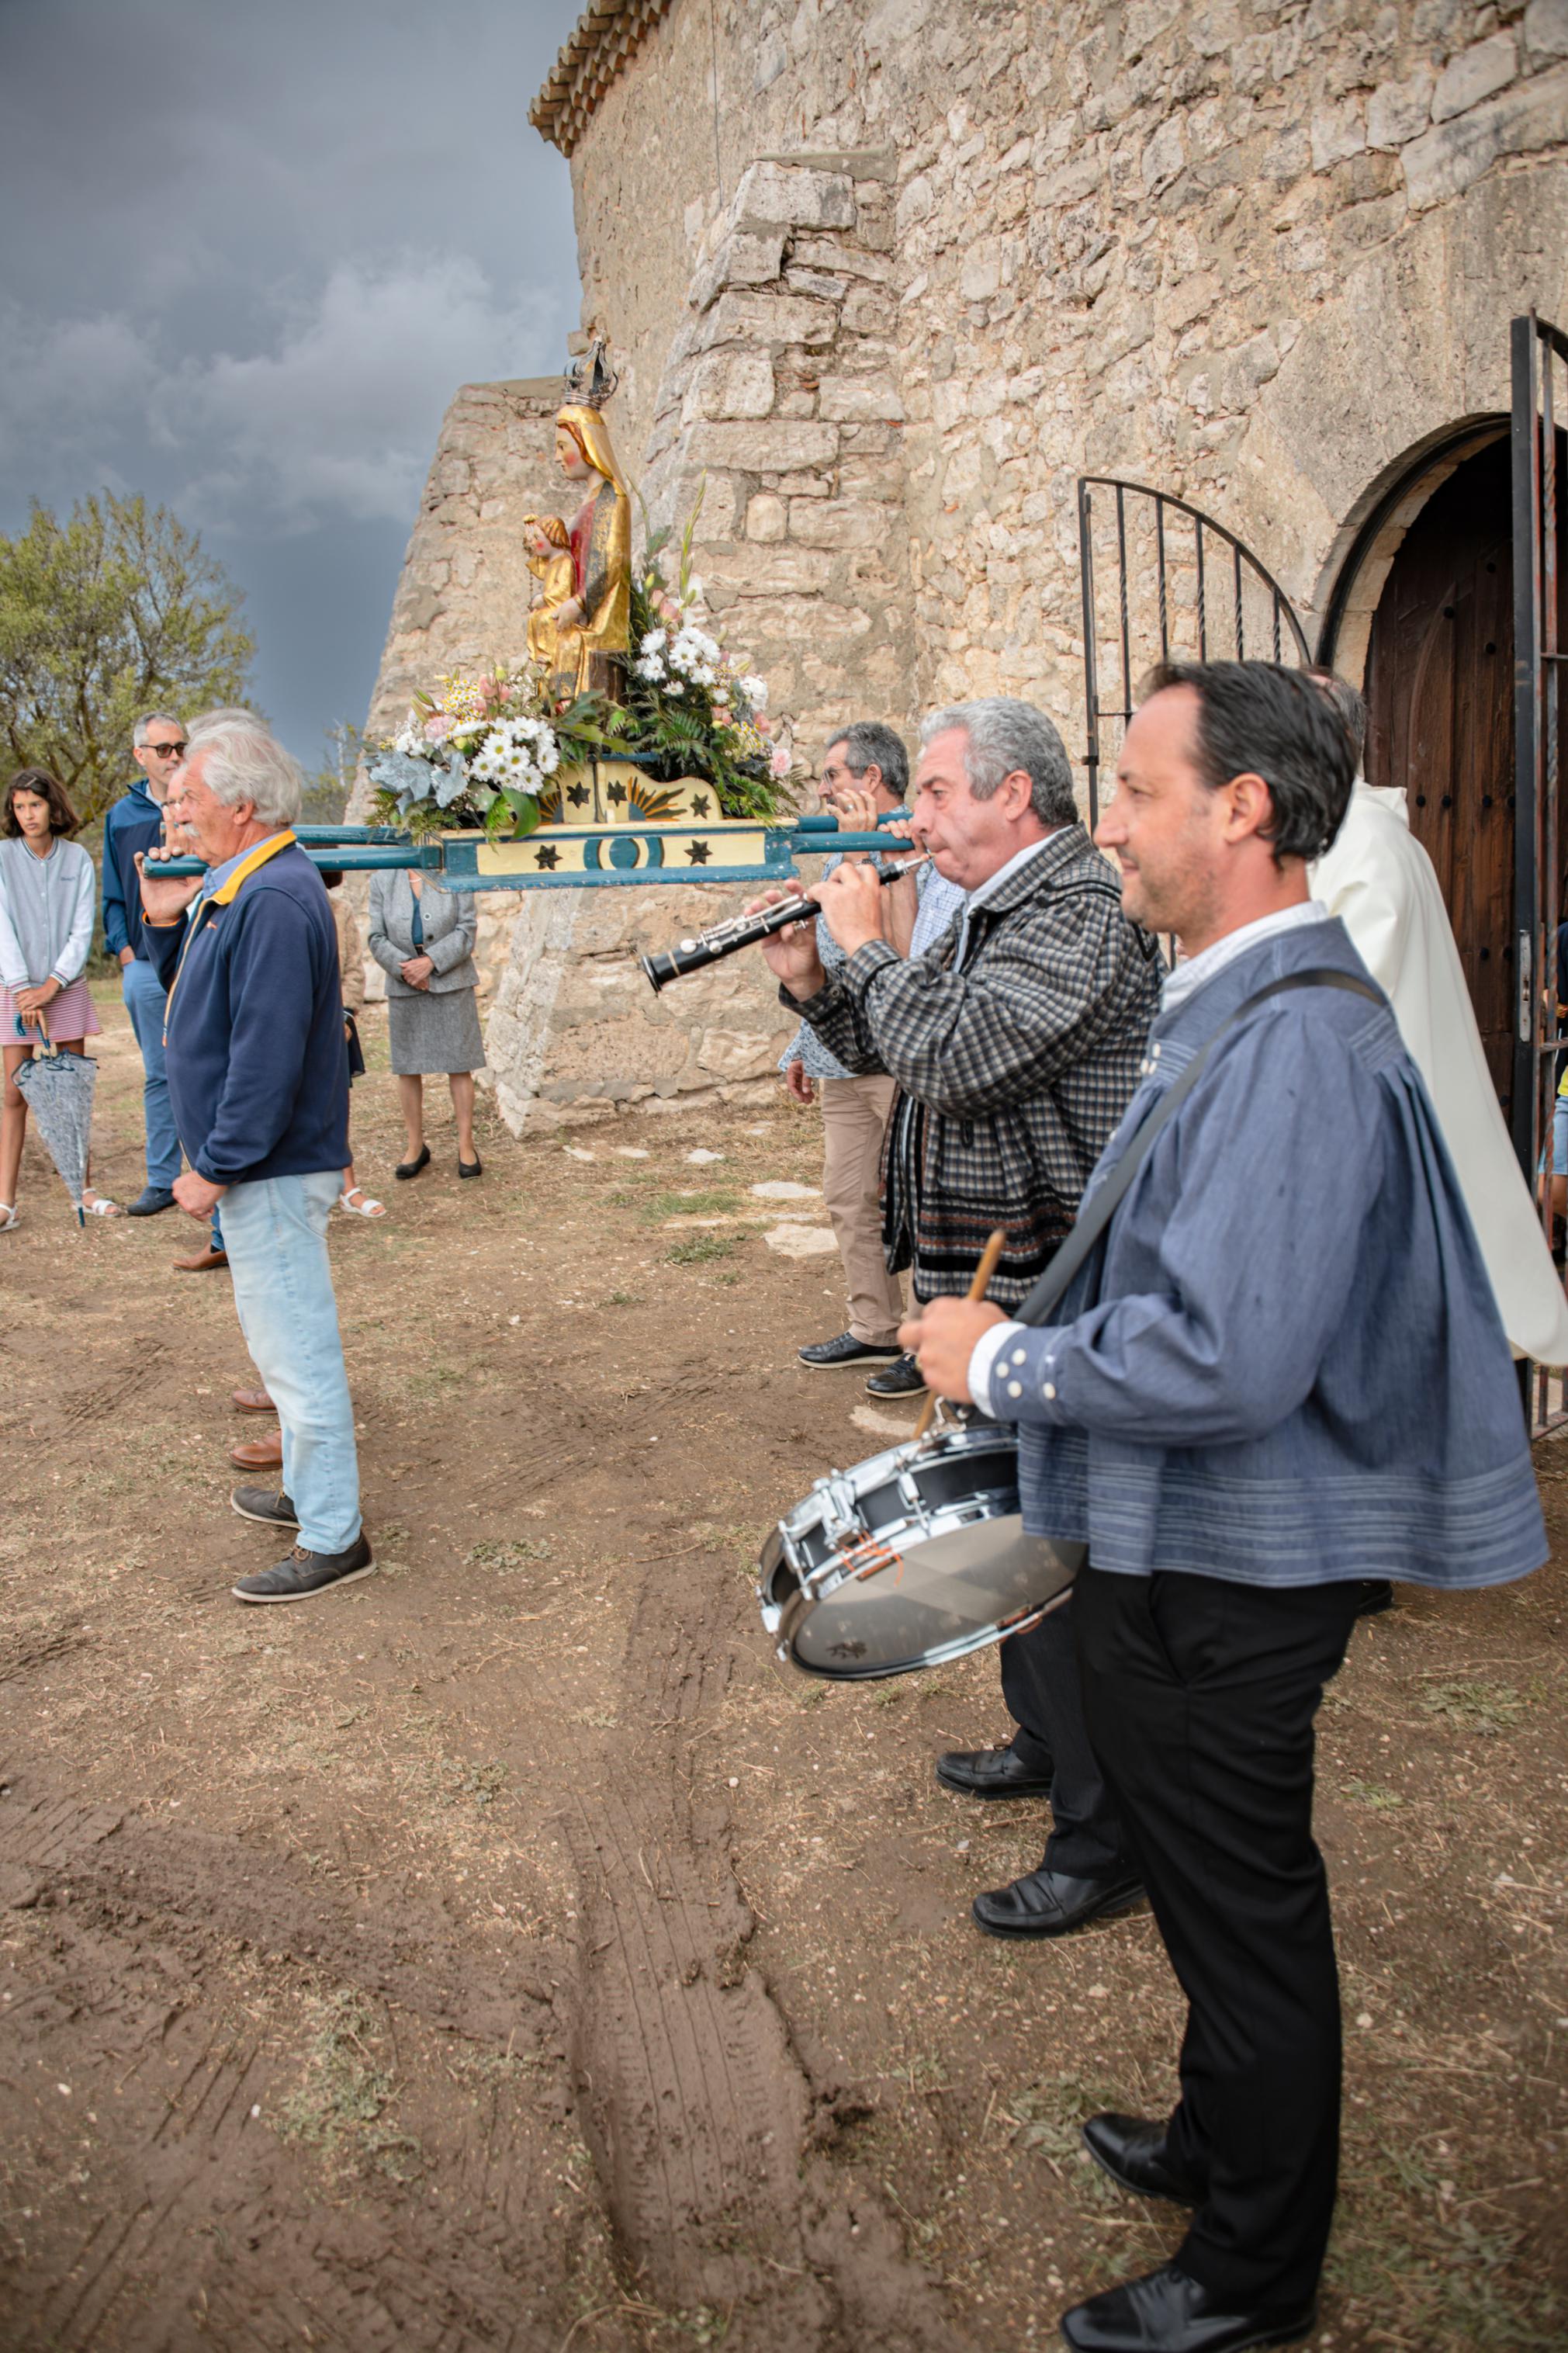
(912, 1559)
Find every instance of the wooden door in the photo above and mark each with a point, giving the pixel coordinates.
(1440, 721)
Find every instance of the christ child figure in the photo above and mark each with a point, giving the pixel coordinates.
(552, 645)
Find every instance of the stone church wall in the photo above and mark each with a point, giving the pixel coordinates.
(889, 276)
(1252, 252)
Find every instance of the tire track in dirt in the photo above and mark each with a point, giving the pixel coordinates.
(154, 2023)
(699, 2113)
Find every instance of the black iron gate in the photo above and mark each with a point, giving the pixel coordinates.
(1161, 579)
(1539, 371)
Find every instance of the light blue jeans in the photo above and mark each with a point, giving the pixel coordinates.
(144, 1002)
(275, 1231)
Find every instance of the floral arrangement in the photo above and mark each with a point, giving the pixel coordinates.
(482, 752)
(690, 710)
(485, 751)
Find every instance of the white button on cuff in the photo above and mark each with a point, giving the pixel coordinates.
(1050, 1392)
(1015, 1388)
(1020, 1356)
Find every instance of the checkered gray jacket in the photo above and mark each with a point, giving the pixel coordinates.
(1014, 1070)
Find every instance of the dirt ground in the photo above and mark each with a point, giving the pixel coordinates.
(507, 1952)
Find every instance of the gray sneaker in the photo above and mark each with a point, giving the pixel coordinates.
(266, 1505)
(305, 1574)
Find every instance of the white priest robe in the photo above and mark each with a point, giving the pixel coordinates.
(1380, 883)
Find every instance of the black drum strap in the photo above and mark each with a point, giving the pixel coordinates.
(1075, 1252)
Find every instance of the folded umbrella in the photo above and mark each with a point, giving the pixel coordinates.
(58, 1091)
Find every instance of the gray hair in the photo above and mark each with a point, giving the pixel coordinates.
(242, 761)
(868, 743)
(1005, 735)
(1350, 707)
(152, 719)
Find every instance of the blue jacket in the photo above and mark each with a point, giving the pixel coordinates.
(1285, 1363)
(257, 1075)
(132, 824)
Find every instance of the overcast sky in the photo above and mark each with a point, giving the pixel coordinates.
(251, 250)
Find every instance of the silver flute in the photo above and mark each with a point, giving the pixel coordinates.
(745, 931)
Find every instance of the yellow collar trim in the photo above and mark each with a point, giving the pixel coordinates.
(248, 866)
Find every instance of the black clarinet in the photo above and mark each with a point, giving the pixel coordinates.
(744, 931)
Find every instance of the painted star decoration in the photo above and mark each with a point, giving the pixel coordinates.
(549, 856)
(614, 795)
(578, 796)
(696, 853)
(699, 804)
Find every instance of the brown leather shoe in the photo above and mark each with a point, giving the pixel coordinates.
(203, 1263)
(261, 1454)
(252, 1402)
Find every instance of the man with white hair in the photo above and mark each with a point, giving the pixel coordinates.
(260, 1086)
(1016, 1044)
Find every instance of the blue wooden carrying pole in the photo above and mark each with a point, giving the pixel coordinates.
(577, 858)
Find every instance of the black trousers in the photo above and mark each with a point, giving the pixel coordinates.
(1199, 1695)
(1042, 1686)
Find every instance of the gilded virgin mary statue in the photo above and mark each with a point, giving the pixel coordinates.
(591, 626)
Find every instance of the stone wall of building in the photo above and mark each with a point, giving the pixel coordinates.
(1254, 251)
(888, 276)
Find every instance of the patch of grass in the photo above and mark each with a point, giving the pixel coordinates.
(655, 1208)
(1477, 1705)
(622, 1298)
(700, 1250)
(452, 1780)
(1048, 2116)
(728, 1281)
(436, 1379)
(514, 1553)
(339, 2107)
(1369, 1794)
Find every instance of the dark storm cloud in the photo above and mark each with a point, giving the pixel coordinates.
(249, 254)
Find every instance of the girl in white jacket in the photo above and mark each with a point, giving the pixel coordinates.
(46, 896)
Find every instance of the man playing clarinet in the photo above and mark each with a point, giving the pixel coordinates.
(1281, 1371)
(1016, 1042)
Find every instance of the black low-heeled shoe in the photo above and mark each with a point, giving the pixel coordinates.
(475, 1167)
(411, 1167)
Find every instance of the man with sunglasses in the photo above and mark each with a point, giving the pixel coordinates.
(136, 823)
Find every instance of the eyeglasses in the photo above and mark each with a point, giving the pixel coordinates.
(168, 751)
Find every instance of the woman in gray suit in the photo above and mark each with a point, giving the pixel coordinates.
(423, 938)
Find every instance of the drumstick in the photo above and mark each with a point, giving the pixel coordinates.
(978, 1290)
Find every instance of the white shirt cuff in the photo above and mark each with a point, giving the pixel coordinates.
(987, 1349)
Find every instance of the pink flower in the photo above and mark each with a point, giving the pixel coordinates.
(762, 722)
(435, 726)
(780, 763)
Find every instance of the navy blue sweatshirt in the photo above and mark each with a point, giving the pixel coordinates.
(257, 1075)
(132, 824)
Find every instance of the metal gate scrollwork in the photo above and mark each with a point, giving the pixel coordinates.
(1160, 578)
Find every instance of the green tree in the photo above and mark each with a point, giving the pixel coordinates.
(114, 613)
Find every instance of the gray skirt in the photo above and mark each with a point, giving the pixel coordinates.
(428, 1032)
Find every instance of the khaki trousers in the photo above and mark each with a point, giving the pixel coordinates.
(854, 1119)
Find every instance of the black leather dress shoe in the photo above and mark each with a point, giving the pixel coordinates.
(1132, 2151)
(1168, 2313)
(1049, 1903)
(837, 1355)
(305, 1574)
(991, 1773)
(902, 1379)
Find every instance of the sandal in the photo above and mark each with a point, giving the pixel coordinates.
(8, 1217)
(364, 1206)
(101, 1205)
